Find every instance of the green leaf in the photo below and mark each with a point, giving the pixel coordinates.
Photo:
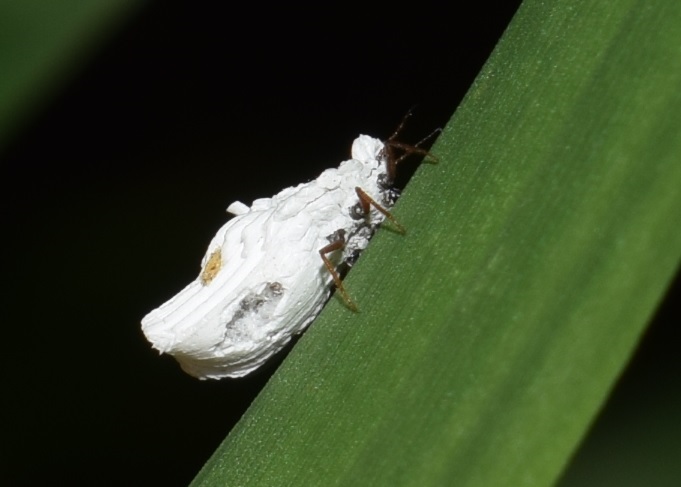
(537, 249)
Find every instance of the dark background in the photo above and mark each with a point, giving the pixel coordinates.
(112, 193)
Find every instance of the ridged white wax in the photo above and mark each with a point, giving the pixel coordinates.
(262, 278)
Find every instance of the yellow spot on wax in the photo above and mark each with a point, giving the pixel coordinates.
(212, 267)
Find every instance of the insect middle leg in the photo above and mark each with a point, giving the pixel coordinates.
(367, 202)
(323, 252)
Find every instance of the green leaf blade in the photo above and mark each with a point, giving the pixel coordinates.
(537, 249)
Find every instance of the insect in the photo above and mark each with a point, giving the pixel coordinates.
(269, 271)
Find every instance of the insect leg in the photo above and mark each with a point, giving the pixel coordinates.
(367, 201)
(333, 246)
(391, 144)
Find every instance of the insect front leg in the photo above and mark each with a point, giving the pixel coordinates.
(337, 244)
(391, 144)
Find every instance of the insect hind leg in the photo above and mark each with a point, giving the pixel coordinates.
(337, 244)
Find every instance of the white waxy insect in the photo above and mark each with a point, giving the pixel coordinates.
(269, 270)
